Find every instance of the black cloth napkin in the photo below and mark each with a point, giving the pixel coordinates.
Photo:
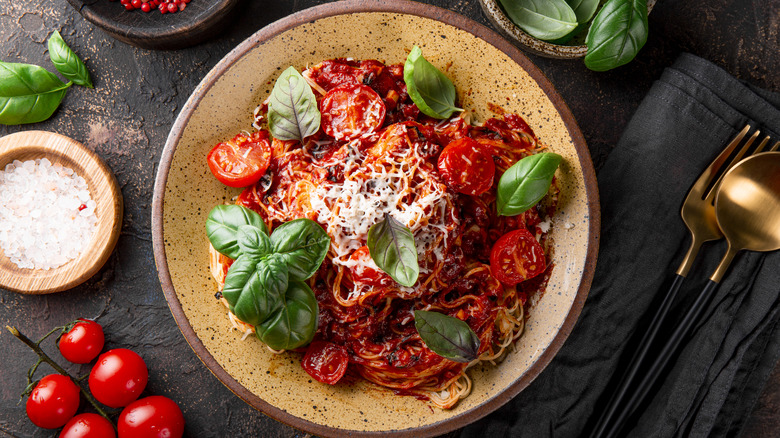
(686, 119)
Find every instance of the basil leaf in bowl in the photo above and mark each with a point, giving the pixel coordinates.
(222, 227)
(293, 324)
(543, 19)
(430, 89)
(526, 182)
(392, 247)
(446, 336)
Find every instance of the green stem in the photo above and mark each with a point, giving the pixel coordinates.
(45, 358)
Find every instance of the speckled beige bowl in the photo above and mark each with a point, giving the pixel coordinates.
(489, 73)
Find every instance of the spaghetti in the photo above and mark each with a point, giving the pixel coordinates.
(349, 181)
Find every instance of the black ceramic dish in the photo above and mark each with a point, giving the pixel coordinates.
(152, 30)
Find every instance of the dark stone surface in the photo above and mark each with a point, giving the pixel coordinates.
(137, 96)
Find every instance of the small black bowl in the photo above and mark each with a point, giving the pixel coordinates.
(201, 19)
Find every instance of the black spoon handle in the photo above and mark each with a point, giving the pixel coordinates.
(643, 386)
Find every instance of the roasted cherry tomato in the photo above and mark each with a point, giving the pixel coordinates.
(242, 161)
(516, 257)
(88, 426)
(118, 377)
(351, 111)
(83, 342)
(151, 417)
(467, 167)
(326, 361)
(53, 401)
(364, 272)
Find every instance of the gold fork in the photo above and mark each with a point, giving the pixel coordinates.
(698, 213)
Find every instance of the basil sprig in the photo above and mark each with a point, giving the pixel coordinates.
(66, 61)
(429, 88)
(263, 286)
(292, 108)
(391, 245)
(31, 94)
(543, 19)
(222, 227)
(617, 34)
(526, 182)
(446, 336)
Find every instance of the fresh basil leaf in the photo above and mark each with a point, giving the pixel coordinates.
(303, 244)
(429, 88)
(222, 227)
(526, 182)
(583, 9)
(255, 287)
(253, 240)
(66, 61)
(294, 323)
(28, 93)
(446, 336)
(543, 19)
(292, 108)
(617, 34)
(392, 248)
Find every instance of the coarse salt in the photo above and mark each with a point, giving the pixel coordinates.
(47, 216)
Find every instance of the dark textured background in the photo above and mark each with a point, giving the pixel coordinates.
(138, 94)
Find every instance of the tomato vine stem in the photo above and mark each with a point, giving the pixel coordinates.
(43, 357)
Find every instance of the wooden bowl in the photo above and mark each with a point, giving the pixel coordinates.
(500, 78)
(200, 20)
(30, 145)
(576, 48)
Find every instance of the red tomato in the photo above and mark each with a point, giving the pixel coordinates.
(53, 401)
(363, 272)
(467, 167)
(326, 361)
(242, 161)
(88, 426)
(118, 377)
(517, 256)
(151, 417)
(350, 111)
(83, 342)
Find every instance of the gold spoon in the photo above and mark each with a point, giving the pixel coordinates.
(747, 208)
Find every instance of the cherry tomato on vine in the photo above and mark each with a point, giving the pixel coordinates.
(467, 167)
(88, 426)
(516, 257)
(83, 342)
(151, 417)
(350, 111)
(326, 361)
(53, 401)
(118, 377)
(242, 161)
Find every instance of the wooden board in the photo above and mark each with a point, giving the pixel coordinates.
(105, 192)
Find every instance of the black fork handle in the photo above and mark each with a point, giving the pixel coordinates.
(618, 397)
(643, 386)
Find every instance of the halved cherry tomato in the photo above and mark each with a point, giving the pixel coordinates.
(118, 377)
(88, 426)
(53, 401)
(516, 257)
(151, 417)
(326, 361)
(467, 167)
(83, 342)
(242, 161)
(364, 272)
(350, 111)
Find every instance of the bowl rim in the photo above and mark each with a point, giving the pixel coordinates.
(389, 6)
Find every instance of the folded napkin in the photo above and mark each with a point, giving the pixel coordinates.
(687, 118)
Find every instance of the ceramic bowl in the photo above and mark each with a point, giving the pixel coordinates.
(200, 20)
(104, 190)
(573, 49)
(491, 75)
